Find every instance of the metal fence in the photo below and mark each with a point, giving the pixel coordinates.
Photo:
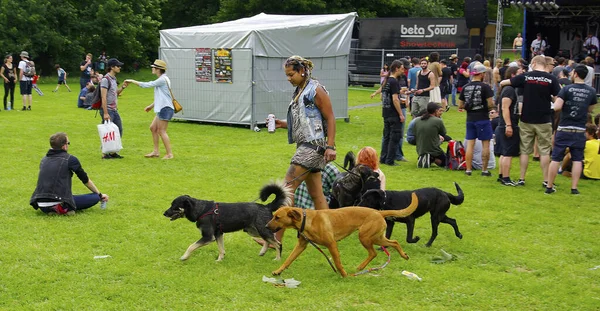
(364, 65)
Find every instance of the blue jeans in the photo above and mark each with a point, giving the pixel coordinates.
(116, 119)
(392, 128)
(453, 94)
(82, 201)
(399, 152)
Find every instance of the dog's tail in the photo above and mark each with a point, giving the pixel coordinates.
(403, 212)
(349, 161)
(283, 195)
(458, 199)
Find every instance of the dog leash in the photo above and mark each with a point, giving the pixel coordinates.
(311, 242)
(376, 268)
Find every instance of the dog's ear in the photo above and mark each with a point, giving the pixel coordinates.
(294, 214)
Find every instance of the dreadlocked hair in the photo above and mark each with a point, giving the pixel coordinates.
(393, 67)
(298, 62)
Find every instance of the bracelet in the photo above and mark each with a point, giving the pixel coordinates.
(330, 148)
(100, 195)
(509, 125)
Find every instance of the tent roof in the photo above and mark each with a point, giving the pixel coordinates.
(270, 35)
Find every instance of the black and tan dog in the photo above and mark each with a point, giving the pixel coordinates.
(347, 190)
(213, 219)
(432, 200)
(326, 227)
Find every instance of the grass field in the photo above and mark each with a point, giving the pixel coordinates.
(522, 250)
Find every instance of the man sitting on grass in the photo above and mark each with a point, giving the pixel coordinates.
(53, 192)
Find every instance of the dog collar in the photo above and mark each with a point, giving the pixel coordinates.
(303, 222)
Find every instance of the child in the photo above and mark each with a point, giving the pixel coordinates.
(62, 78)
(82, 95)
(34, 85)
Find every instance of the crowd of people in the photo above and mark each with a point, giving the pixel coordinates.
(543, 108)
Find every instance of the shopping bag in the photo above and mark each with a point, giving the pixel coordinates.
(110, 137)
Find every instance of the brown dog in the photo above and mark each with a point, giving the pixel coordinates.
(326, 227)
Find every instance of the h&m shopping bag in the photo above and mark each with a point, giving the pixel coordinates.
(110, 137)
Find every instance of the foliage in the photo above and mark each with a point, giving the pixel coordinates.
(522, 250)
(54, 31)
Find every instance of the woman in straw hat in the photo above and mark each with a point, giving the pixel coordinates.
(163, 107)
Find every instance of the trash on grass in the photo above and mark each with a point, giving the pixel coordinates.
(102, 256)
(444, 258)
(290, 283)
(595, 268)
(411, 275)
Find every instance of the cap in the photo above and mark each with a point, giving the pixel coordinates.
(478, 69)
(160, 64)
(114, 62)
(24, 54)
(453, 56)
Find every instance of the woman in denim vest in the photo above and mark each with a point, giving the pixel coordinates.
(311, 127)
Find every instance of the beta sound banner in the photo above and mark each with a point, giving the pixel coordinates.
(413, 33)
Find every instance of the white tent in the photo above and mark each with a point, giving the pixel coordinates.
(254, 82)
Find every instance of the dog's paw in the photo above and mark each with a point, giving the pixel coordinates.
(183, 258)
(414, 240)
(276, 272)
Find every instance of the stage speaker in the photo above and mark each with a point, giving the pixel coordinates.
(476, 13)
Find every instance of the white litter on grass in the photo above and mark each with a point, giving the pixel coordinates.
(102, 256)
(290, 283)
(595, 268)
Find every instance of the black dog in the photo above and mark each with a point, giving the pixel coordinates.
(213, 219)
(348, 189)
(432, 200)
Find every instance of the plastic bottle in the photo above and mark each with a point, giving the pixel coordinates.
(410, 275)
(103, 205)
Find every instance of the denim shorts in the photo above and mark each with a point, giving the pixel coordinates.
(481, 130)
(165, 114)
(574, 141)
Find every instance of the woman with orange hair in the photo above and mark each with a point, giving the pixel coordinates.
(368, 156)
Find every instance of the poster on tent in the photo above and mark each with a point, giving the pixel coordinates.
(203, 65)
(223, 65)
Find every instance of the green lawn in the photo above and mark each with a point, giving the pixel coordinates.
(522, 249)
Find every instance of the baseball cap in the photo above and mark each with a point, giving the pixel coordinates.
(453, 56)
(478, 69)
(114, 62)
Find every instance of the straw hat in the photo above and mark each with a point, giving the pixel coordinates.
(160, 64)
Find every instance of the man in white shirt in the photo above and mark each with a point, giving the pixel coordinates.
(538, 45)
(591, 46)
(25, 81)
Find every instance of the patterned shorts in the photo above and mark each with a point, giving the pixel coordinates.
(309, 158)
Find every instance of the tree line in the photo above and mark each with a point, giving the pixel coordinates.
(63, 31)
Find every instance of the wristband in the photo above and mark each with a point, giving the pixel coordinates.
(100, 195)
(330, 148)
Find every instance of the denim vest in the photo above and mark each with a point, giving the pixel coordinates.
(54, 180)
(305, 122)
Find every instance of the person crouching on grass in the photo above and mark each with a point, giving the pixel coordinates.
(311, 125)
(163, 107)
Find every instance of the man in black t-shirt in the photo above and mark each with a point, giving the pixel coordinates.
(454, 68)
(86, 67)
(574, 102)
(445, 83)
(539, 89)
(476, 98)
(393, 118)
(507, 132)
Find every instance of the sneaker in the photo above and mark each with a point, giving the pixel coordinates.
(402, 160)
(521, 182)
(392, 164)
(574, 191)
(499, 179)
(550, 190)
(24, 108)
(487, 174)
(468, 173)
(106, 157)
(116, 156)
(545, 184)
(508, 182)
(28, 107)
